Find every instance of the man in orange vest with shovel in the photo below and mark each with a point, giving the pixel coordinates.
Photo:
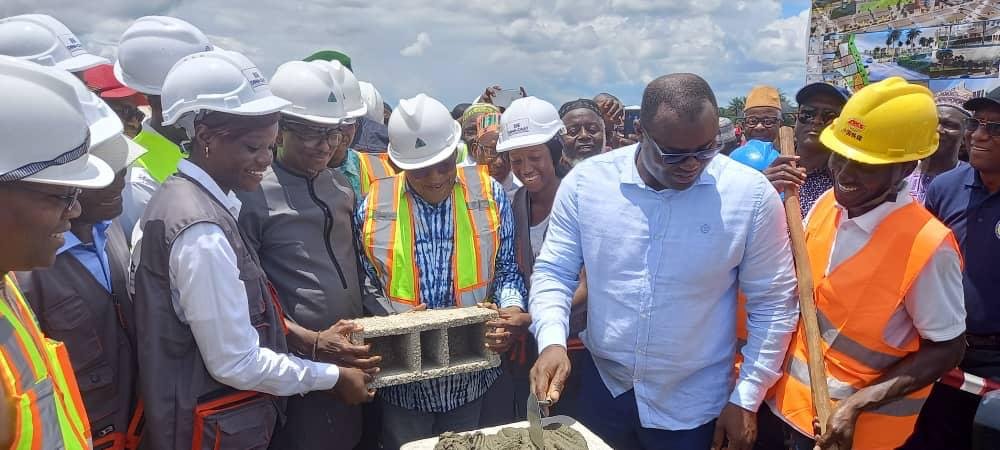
(888, 282)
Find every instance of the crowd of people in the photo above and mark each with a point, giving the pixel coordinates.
(188, 240)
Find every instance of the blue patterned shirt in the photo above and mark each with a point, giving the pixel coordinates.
(434, 240)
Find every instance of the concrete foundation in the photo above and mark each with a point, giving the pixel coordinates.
(428, 344)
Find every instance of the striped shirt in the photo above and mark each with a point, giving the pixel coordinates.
(434, 239)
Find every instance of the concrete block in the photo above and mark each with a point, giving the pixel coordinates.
(428, 344)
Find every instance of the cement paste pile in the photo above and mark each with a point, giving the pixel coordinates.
(557, 437)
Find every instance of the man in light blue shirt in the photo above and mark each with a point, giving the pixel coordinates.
(669, 232)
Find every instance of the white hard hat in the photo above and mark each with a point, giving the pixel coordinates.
(528, 121)
(422, 133)
(44, 40)
(219, 80)
(315, 94)
(353, 104)
(151, 46)
(373, 101)
(119, 152)
(104, 124)
(43, 131)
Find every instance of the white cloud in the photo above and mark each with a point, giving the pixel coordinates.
(556, 49)
(417, 48)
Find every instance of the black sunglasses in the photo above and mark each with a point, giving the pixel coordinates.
(807, 115)
(678, 156)
(992, 128)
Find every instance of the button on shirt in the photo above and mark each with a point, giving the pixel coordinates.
(434, 240)
(663, 269)
(960, 200)
(208, 295)
(92, 256)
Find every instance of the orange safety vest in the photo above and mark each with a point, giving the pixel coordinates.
(389, 239)
(373, 167)
(38, 381)
(854, 302)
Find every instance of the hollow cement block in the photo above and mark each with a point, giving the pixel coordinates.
(428, 344)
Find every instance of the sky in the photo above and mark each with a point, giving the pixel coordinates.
(452, 50)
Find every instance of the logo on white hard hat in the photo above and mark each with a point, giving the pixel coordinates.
(517, 127)
(255, 78)
(72, 44)
(332, 98)
(420, 143)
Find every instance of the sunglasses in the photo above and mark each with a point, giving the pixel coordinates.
(768, 122)
(992, 128)
(807, 115)
(678, 156)
(68, 199)
(127, 111)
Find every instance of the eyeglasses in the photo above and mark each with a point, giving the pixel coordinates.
(807, 115)
(312, 136)
(992, 128)
(69, 199)
(678, 156)
(768, 122)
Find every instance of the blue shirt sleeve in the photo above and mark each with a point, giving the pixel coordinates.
(508, 283)
(557, 269)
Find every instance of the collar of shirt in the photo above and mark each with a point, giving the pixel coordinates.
(869, 220)
(229, 201)
(100, 238)
(630, 170)
(352, 164)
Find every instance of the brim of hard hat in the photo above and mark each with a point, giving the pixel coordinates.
(447, 152)
(82, 62)
(315, 119)
(525, 141)
(119, 152)
(87, 172)
(260, 107)
(829, 139)
(358, 113)
(138, 87)
(118, 93)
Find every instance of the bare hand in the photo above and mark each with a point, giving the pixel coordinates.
(548, 375)
(335, 347)
(489, 93)
(352, 386)
(505, 330)
(736, 429)
(783, 174)
(839, 429)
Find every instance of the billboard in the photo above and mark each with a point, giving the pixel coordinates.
(942, 44)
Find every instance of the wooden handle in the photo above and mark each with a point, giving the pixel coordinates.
(807, 306)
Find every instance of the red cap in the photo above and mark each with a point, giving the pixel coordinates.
(101, 79)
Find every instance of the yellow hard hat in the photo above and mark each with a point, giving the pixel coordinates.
(888, 122)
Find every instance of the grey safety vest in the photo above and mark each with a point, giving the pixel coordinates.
(173, 380)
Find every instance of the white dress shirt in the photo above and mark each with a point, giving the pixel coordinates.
(139, 188)
(208, 296)
(935, 305)
(663, 269)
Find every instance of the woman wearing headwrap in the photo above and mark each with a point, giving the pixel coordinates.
(585, 132)
(484, 152)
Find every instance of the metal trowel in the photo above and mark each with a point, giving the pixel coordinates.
(535, 420)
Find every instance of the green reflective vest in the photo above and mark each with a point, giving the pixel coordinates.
(162, 156)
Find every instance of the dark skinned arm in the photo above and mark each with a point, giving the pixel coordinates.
(333, 345)
(911, 374)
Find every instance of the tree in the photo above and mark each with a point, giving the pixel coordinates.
(735, 107)
(911, 35)
(893, 36)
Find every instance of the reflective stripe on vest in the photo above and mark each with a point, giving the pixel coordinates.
(161, 157)
(49, 409)
(854, 303)
(373, 167)
(388, 237)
